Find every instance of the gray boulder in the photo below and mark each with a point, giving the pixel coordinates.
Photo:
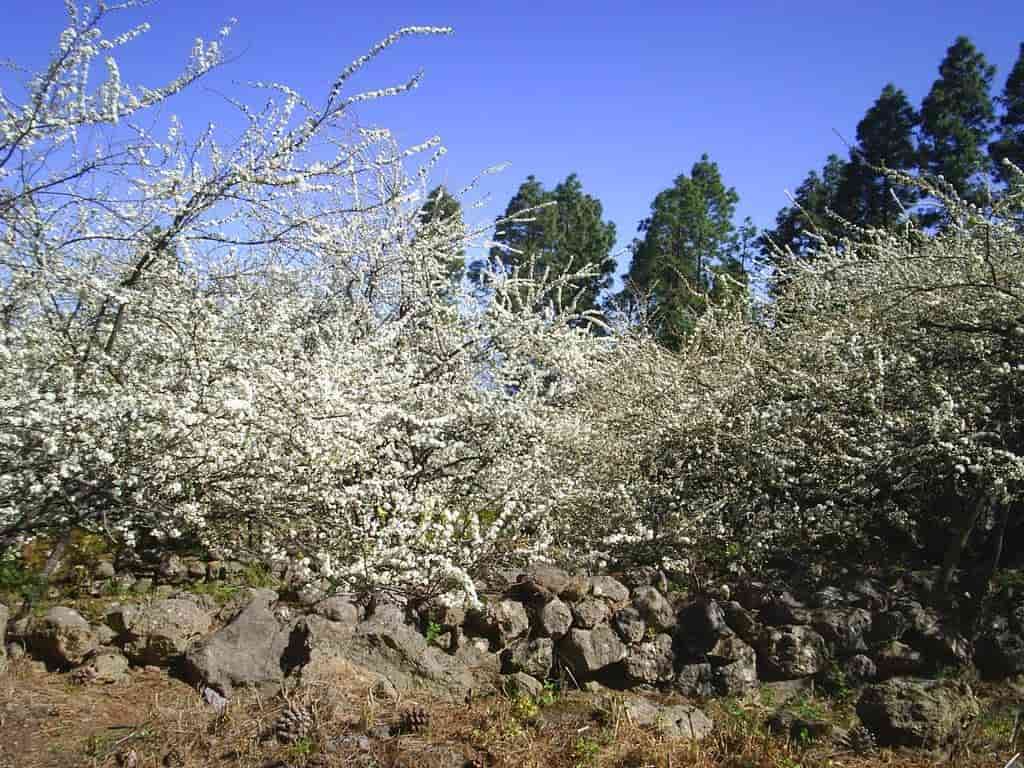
(798, 727)
(742, 622)
(790, 652)
(577, 588)
(314, 637)
(896, 659)
(609, 589)
(534, 657)
(829, 597)
(158, 633)
(386, 613)
(649, 663)
(196, 568)
(917, 713)
(522, 684)
(844, 630)
(500, 622)
(888, 626)
(684, 721)
(645, 576)
(730, 649)
(312, 593)
(108, 665)
(590, 612)
(338, 609)
(859, 669)
(553, 579)
(588, 651)
(942, 645)
(1000, 654)
(695, 680)
(656, 611)
(172, 569)
(679, 721)
(400, 654)
(782, 609)
(752, 594)
(700, 624)
(61, 637)
(736, 679)
(448, 617)
(734, 665)
(870, 595)
(248, 652)
(629, 624)
(553, 619)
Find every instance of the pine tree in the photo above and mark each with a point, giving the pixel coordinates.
(565, 235)
(799, 226)
(885, 139)
(438, 210)
(957, 117)
(688, 239)
(1010, 144)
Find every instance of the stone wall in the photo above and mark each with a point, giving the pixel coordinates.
(626, 632)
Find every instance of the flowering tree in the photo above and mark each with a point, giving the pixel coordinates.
(874, 407)
(252, 343)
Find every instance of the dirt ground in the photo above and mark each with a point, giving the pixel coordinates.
(155, 721)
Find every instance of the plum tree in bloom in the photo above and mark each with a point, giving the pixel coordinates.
(251, 343)
(875, 407)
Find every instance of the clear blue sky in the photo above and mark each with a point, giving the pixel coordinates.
(628, 95)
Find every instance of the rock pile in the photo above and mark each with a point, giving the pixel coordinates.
(623, 632)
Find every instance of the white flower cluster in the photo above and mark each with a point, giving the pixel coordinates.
(874, 406)
(255, 345)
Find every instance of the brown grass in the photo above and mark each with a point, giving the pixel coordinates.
(45, 721)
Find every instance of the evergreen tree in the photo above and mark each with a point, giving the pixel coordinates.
(564, 236)
(688, 239)
(885, 139)
(439, 209)
(798, 226)
(1010, 144)
(957, 118)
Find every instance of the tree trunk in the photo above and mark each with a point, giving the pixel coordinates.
(957, 544)
(997, 547)
(56, 555)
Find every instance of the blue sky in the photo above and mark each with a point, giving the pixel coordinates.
(628, 95)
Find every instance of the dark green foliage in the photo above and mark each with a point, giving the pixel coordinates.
(799, 227)
(957, 117)
(688, 242)
(885, 139)
(1010, 144)
(565, 235)
(17, 581)
(439, 210)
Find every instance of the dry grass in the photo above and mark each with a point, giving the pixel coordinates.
(159, 721)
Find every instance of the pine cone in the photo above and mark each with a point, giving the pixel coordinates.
(83, 675)
(293, 724)
(860, 740)
(414, 720)
(173, 759)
